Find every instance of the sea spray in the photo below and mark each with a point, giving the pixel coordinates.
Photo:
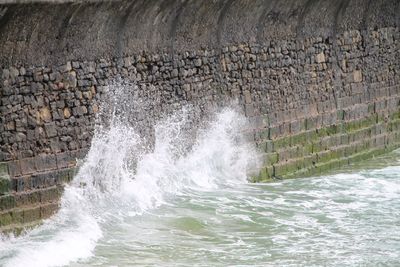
(122, 177)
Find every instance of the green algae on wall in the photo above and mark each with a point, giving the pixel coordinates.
(314, 152)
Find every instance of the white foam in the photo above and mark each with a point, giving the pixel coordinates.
(107, 184)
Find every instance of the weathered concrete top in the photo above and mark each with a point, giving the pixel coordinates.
(46, 33)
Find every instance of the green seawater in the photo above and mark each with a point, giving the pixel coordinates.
(351, 218)
(174, 207)
(348, 218)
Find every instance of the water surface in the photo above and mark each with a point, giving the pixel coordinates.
(197, 209)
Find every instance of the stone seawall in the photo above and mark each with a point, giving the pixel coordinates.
(318, 96)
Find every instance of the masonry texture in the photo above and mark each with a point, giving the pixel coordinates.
(318, 80)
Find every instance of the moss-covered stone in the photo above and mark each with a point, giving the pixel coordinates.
(272, 158)
(282, 143)
(5, 219)
(5, 184)
(266, 174)
(314, 152)
(7, 202)
(4, 169)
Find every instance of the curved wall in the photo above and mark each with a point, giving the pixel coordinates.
(43, 33)
(318, 79)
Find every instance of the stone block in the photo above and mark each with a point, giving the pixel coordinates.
(269, 146)
(51, 129)
(28, 198)
(357, 76)
(66, 67)
(48, 210)
(320, 58)
(5, 74)
(247, 97)
(5, 219)
(45, 114)
(18, 184)
(27, 166)
(7, 202)
(70, 80)
(272, 158)
(31, 214)
(5, 184)
(64, 160)
(14, 168)
(197, 62)
(67, 113)
(46, 162)
(4, 169)
(295, 127)
(36, 181)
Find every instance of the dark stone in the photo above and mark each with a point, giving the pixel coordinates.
(51, 129)
(5, 185)
(46, 162)
(27, 166)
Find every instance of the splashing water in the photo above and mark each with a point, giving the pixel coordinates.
(108, 188)
(182, 203)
